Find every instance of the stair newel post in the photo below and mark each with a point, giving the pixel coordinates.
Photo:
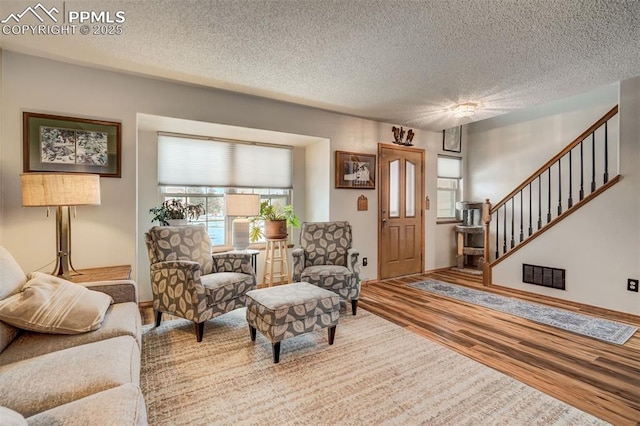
(486, 219)
(549, 196)
(530, 212)
(497, 233)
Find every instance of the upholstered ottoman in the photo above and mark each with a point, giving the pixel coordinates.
(289, 310)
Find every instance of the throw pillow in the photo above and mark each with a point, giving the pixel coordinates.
(11, 418)
(49, 304)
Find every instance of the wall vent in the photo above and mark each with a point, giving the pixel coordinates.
(544, 276)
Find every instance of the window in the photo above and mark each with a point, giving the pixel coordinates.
(449, 186)
(201, 170)
(218, 225)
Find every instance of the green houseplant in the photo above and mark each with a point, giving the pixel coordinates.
(175, 209)
(276, 221)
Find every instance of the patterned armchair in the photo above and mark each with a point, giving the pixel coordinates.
(188, 282)
(325, 258)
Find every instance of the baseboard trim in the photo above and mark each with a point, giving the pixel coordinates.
(576, 306)
(432, 271)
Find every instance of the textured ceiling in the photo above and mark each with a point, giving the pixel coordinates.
(403, 62)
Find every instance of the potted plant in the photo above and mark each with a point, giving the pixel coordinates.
(175, 212)
(276, 221)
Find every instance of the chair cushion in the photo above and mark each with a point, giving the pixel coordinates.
(122, 405)
(224, 286)
(188, 242)
(319, 272)
(325, 243)
(41, 383)
(340, 281)
(11, 418)
(330, 277)
(49, 304)
(291, 302)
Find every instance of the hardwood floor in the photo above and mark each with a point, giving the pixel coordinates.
(597, 377)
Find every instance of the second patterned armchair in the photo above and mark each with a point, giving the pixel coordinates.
(325, 258)
(188, 282)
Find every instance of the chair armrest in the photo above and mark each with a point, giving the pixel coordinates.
(177, 274)
(297, 255)
(120, 290)
(352, 259)
(175, 264)
(233, 262)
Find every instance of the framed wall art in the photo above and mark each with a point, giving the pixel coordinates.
(54, 143)
(452, 139)
(355, 170)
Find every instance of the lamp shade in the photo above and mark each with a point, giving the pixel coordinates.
(244, 205)
(60, 189)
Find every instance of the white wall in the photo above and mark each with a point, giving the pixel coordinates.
(112, 233)
(319, 182)
(598, 245)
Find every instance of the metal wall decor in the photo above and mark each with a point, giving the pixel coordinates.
(398, 135)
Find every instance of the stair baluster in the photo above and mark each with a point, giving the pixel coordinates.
(492, 213)
(570, 201)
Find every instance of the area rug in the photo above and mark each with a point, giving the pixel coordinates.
(598, 328)
(376, 373)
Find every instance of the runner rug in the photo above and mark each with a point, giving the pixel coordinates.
(375, 373)
(598, 328)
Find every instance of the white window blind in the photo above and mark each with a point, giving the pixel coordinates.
(449, 167)
(204, 162)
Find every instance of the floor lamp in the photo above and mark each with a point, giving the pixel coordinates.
(61, 190)
(243, 206)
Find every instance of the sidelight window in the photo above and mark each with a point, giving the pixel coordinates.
(449, 186)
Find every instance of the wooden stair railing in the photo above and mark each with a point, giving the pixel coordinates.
(536, 195)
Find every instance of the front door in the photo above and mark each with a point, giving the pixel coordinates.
(400, 211)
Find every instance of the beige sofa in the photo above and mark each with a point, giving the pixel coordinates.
(80, 379)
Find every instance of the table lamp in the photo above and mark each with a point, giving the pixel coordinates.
(61, 190)
(243, 206)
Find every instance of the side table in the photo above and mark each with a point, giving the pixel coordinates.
(106, 273)
(254, 256)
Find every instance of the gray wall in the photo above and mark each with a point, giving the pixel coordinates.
(111, 233)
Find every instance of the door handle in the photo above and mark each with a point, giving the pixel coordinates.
(384, 221)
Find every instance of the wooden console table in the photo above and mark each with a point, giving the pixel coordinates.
(106, 273)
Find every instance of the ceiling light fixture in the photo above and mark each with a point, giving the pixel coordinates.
(465, 110)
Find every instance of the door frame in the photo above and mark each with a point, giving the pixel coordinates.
(420, 204)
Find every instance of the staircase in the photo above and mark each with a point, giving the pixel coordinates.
(569, 180)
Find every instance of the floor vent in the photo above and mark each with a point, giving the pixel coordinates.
(543, 275)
